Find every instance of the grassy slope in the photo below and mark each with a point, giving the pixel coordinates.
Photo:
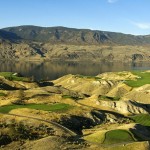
(108, 98)
(143, 119)
(130, 146)
(54, 107)
(10, 76)
(118, 136)
(2, 94)
(111, 137)
(144, 79)
(97, 137)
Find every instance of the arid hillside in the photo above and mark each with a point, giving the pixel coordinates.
(47, 51)
(108, 111)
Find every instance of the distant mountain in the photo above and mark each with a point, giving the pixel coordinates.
(61, 43)
(71, 36)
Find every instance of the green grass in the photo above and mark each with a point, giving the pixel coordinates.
(143, 119)
(2, 94)
(10, 76)
(87, 77)
(97, 137)
(53, 107)
(144, 79)
(109, 98)
(118, 136)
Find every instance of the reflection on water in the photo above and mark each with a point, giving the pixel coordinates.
(54, 70)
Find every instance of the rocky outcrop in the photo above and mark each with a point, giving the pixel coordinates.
(119, 90)
(125, 107)
(46, 51)
(137, 57)
(119, 76)
(87, 85)
(140, 94)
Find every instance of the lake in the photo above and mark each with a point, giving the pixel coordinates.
(53, 70)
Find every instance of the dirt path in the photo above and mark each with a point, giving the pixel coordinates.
(51, 122)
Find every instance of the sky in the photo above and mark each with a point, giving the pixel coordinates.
(126, 16)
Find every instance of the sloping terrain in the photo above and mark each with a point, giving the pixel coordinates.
(75, 112)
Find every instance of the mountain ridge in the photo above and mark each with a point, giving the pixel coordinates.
(65, 27)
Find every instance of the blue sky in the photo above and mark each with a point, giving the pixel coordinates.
(126, 16)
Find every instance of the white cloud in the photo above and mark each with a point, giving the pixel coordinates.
(112, 1)
(141, 25)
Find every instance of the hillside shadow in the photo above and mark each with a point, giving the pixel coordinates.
(146, 107)
(45, 83)
(77, 123)
(4, 86)
(141, 133)
(6, 35)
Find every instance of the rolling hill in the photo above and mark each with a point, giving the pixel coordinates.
(110, 111)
